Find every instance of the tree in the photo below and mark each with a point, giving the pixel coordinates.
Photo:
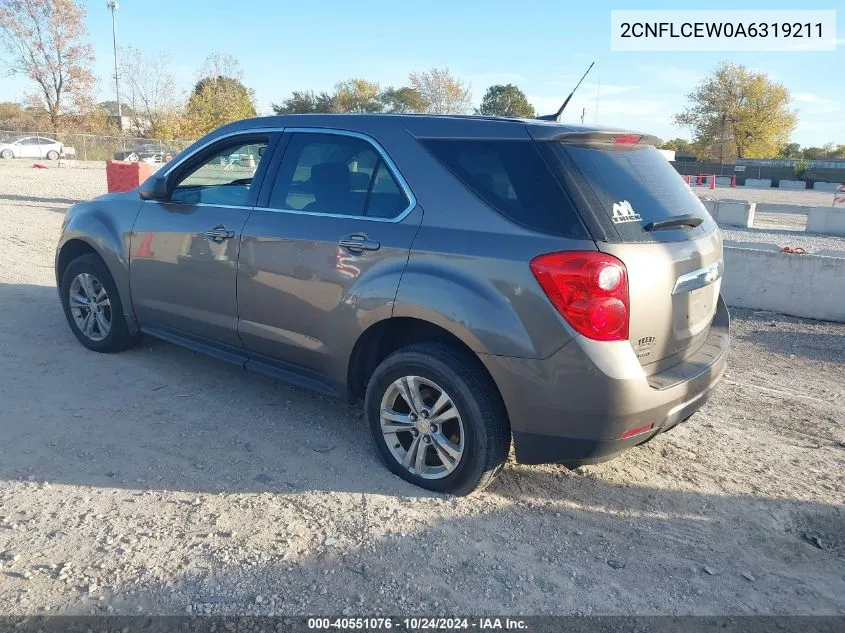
(44, 39)
(443, 93)
(677, 145)
(743, 111)
(791, 151)
(356, 95)
(305, 102)
(218, 99)
(151, 88)
(813, 153)
(402, 100)
(506, 100)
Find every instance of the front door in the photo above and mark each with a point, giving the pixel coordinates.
(184, 251)
(322, 255)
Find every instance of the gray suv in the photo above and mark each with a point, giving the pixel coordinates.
(475, 281)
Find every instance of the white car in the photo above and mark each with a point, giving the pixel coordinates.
(31, 147)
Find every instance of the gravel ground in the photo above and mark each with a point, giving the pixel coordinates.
(160, 481)
(810, 242)
(771, 199)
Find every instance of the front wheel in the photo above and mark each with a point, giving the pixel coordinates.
(92, 306)
(7, 154)
(437, 418)
(52, 155)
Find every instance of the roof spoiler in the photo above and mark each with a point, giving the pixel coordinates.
(556, 115)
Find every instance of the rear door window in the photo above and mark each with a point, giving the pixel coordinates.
(336, 174)
(513, 179)
(628, 187)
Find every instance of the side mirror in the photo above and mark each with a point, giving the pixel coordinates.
(154, 188)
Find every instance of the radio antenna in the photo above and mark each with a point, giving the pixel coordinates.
(556, 115)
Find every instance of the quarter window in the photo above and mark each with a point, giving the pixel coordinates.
(224, 178)
(513, 179)
(336, 174)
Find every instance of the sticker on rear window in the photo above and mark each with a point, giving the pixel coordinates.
(624, 212)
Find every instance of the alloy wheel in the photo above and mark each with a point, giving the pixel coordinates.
(422, 427)
(90, 306)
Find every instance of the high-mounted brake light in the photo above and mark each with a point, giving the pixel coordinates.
(589, 289)
(626, 139)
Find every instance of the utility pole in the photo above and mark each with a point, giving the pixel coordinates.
(114, 6)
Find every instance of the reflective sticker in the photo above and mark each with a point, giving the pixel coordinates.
(624, 212)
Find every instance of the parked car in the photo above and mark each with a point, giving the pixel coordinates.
(148, 152)
(31, 147)
(474, 280)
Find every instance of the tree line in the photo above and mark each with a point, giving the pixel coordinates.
(733, 113)
(45, 41)
(435, 91)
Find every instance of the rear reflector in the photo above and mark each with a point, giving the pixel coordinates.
(589, 289)
(626, 139)
(636, 431)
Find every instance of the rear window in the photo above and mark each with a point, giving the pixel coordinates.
(513, 179)
(631, 187)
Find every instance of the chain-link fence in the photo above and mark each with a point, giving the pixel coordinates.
(45, 145)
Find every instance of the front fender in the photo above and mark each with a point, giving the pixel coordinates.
(105, 227)
(494, 307)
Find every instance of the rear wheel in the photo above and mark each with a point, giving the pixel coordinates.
(52, 155)
(437, 419)
(7, 154)
(92, 306)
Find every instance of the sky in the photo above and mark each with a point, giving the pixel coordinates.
(541, 46)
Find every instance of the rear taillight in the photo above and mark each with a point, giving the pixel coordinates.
(590, 290)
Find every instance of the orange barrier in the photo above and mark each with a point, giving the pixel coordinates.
(125, 176)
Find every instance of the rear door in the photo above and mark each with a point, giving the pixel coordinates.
(640, 210)
(322, 256)
(28, 147)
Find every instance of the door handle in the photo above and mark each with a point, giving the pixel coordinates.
(219, 233)
(358, 243)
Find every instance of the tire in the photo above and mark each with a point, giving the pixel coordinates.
(480, 429)
(117, 336)
(52, 155)
(7, 154)
(132, 157)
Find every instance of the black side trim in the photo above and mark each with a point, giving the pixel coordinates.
(212, 348)
(281, 370)
(291, 373)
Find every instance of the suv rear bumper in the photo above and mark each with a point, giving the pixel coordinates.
(575, 406)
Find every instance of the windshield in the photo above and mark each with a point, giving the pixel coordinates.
(628, 188)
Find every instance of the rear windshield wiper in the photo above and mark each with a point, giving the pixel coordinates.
(689, 220)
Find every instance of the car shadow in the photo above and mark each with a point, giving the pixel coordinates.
(159, 416)
(783, 335)
(11, 197)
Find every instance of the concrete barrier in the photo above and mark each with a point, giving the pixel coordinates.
(827, 220)
(792, 184)
(724, 181)
(826, 186)
(732, 212)
(758, 182)
(806, 286)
